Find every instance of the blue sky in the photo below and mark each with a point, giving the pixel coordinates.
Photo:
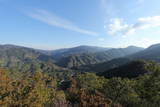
(52, 24)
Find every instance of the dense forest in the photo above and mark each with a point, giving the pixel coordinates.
(32, 78)
(38, 89)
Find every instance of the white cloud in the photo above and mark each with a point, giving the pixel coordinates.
(148, 22)
(117, 26)
(54, 20)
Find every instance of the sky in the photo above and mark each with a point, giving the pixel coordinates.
(53, 24)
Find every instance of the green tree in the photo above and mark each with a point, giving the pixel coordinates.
(121, 91)
(90, 82)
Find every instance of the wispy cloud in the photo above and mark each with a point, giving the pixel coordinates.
(54, 20)
(117, 26)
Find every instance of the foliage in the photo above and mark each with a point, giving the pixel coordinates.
(148, 88)
(31, 91)
(121, 91)
(131, 70)
(90, 82)
(38, 89)
(87, 96)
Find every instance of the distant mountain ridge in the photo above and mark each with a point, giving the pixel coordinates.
(59, 53)
(86, 58)
(151, 53)
(69, 58)
(25, 59)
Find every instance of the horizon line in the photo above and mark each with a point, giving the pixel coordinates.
(40, 48)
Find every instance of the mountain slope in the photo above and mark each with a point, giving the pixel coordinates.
(101, 67)
(130, 70)
(151, 53)
(76, 60)
(60, 53)
(25, 59)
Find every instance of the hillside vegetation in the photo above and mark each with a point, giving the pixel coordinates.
(85, 89)
(85, 58)
(34, 78)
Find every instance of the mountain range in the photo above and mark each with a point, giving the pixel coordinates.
(86, 55)
(152, 53)
(81, 58)
(26, 59)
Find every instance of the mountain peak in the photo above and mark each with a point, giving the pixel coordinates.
(132, 46)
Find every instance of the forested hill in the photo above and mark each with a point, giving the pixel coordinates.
(59, 53)
(31, 78)
(85, 58)
(151, 53)
(84, 89)
(22, 57)
(25, 59)
(130, 70)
